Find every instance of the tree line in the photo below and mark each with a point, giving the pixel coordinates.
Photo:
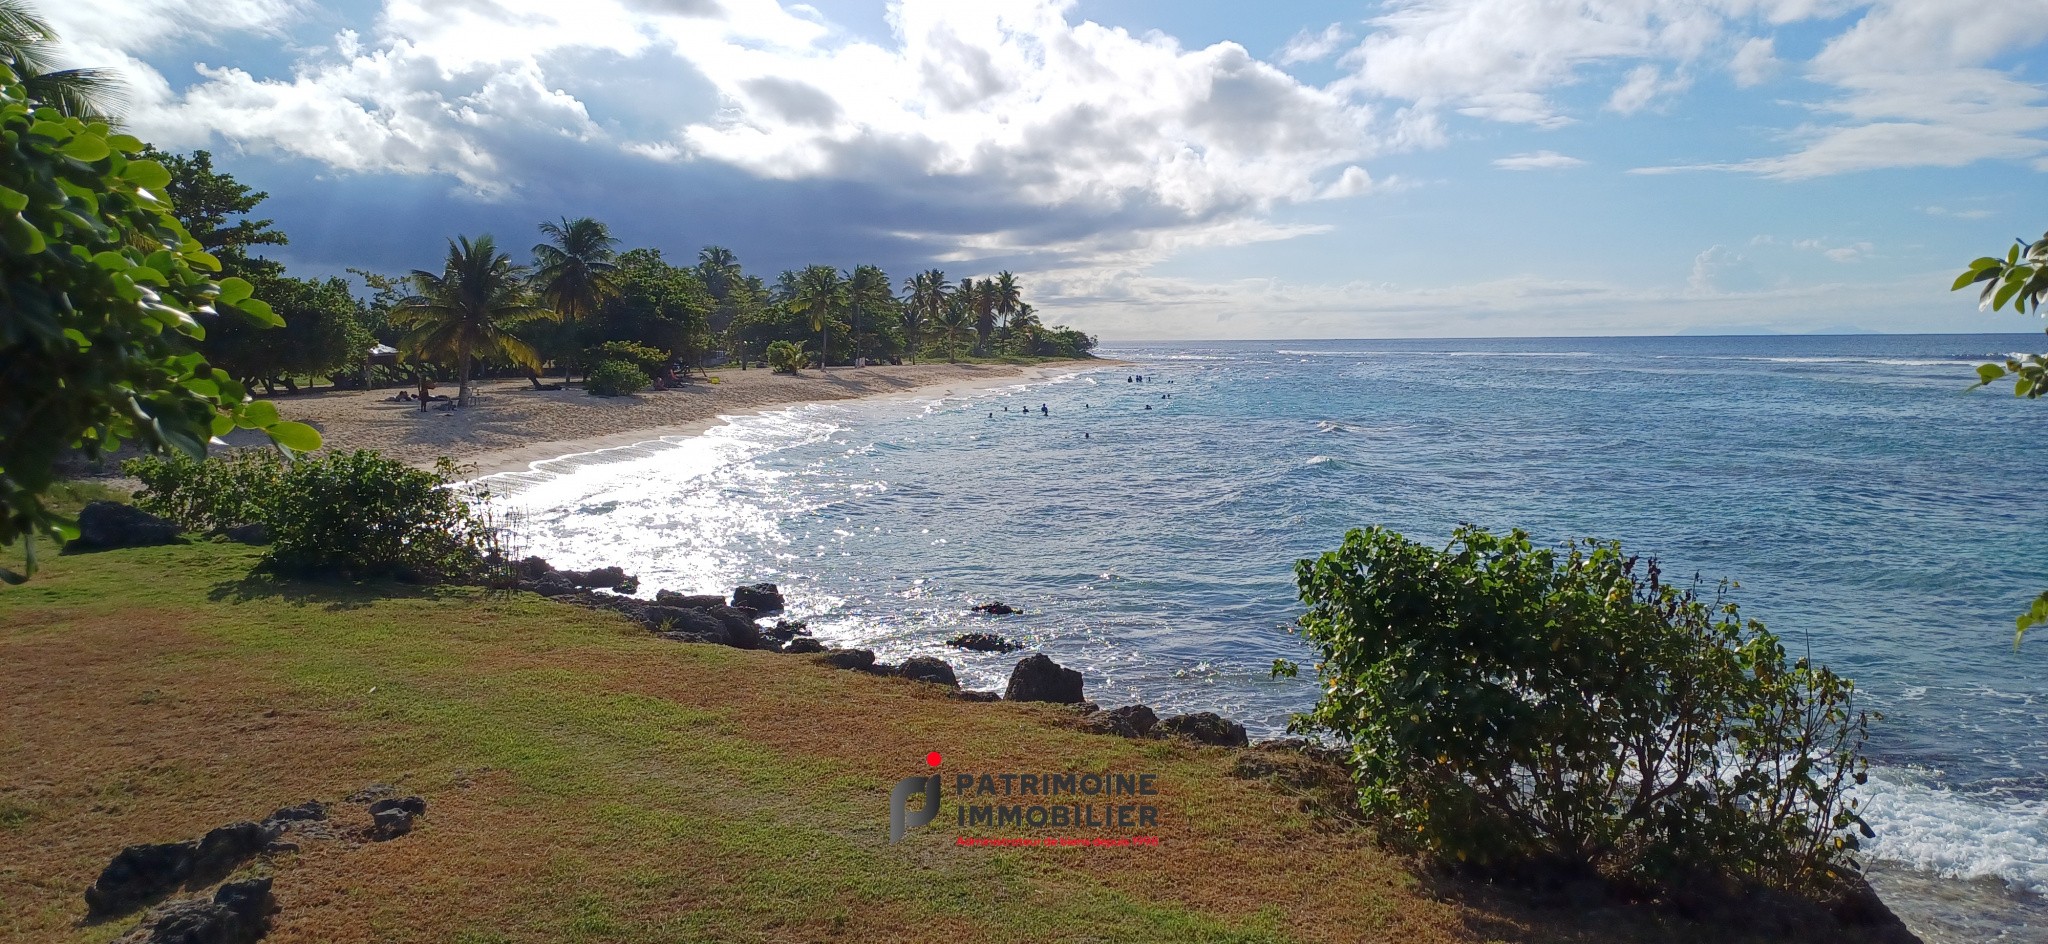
(579, 301)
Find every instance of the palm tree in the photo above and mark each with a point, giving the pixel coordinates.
(29, 44)
(928, 295)
(573, 271)
(1005, 295)
(868, 289)
(819, 292)
(955, 318)
(469, 309)
(980, 298)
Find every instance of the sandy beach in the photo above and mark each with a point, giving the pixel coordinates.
(509, 425)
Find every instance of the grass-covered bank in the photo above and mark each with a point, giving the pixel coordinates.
(591, 782)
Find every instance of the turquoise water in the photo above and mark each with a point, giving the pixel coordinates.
(1871, 508)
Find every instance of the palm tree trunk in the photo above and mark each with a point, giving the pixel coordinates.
(825, 344)
(462, 372)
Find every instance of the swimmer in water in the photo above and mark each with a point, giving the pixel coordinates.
(1042, 411)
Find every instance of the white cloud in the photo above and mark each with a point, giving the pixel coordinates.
(1310, 47)
(1708, 267)
(1500, 59)
(1537, 160)
(1134, 133)
(1974, 214)
(1852, 252)
(1915, 88)
(1755, 62)
(1643, 85)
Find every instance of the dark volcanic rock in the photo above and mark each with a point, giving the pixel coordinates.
(760, 597)
(412, 805)
(928, 669)
(309, 810)
(696, 624)
(997, 608)
(532, 568)
(1131, 721)
(389, 824)
(223, 850)
(553, 586)
(1038, 678)
(972, 695)
(140, 873)
(803, 644)
(739, 626)
(785, 630)
(983, 642)
(1206, 727)
(601, 578)
(137, 874)
(105, 525)
(858, 659)
(695, 601)
(238, 914)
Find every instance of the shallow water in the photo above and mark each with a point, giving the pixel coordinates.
(1871, 508)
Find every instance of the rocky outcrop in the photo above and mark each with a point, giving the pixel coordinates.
(983, 642)
(106, 525)
(392, 817)
(141, 873)
(928, 669)
(238, 913)
(803, 644)
(694, 601)
(1131, 721)
(997, 608)
(1204, 727)
(1038, 678)
(760, 597)
(601, 578)
(859, 660)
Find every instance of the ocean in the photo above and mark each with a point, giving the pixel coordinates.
(1875, 512)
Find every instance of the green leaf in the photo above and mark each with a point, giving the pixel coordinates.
(13, 201)
(260, 310)
(86, 147)
(261, 414)
(1987, 373)
(2034, 616)
(233, 290)
(297, 437)
(50, 129)
(21, 236)
(125, 143)
(148, 174)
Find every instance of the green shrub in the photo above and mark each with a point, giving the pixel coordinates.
(354, 514)
(359, 514)
(1508, 704)
(615, 379)
(209, 495)
(786, 357)
(648, 360)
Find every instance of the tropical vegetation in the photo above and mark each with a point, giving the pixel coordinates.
(2019, 277)
(1505, 705)
(107, 300)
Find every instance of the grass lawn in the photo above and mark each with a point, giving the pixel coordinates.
(590, 782)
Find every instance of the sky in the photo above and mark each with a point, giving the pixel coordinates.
(1156, 169)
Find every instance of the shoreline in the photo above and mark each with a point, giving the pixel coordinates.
(509, 425)
(522, 458)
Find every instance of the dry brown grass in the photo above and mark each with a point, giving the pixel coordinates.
(590, 782)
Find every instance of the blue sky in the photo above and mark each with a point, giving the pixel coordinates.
(1156, 169)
